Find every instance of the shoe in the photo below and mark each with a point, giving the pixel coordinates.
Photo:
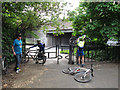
(17, 71)
(79, 64)
(82, 65)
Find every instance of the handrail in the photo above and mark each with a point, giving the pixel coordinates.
(49, 47)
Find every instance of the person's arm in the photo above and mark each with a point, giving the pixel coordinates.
(78, 39)
(33, 46)
(13, 50)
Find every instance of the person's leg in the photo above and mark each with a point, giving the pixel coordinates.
(78, 53)
(20, 58)
(82, 52)
(17, 62)
(78, 59)
(83, 59)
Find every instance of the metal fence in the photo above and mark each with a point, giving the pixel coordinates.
(50, 52)
(101, 53)
(94, 53)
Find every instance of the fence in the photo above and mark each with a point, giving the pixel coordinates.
(92, 53)
(95, 53)
(101, 53)
(55, 52)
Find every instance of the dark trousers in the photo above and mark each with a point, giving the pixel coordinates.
(18, 58)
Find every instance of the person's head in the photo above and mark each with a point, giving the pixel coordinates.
(38, 41)
(19, 36)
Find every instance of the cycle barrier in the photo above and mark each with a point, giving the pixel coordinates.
(93, 52)
(57, 55)
(56, 52)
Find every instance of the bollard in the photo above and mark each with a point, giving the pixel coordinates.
(70, 54)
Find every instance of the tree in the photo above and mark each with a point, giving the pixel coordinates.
(99, 20)
(25, 17)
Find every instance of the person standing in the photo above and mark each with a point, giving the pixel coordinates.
(80, 52)
(17, 51)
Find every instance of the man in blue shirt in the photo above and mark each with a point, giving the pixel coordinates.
(17, 51)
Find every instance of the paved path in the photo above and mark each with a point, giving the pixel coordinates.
(50, 76)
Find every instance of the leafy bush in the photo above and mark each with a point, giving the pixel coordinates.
(64, 52)
(107, 53)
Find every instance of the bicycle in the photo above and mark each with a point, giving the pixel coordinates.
(25, 56)
(82, 75)
(38, 57)
(4, 64)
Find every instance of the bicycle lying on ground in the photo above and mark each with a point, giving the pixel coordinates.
(4, 65)
(38, 57)
(82, 75)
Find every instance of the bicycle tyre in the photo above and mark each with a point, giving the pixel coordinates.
(78, 77)
(40, 60)
(5, 71)
(44, 60)
(66, 71)
(25, 58)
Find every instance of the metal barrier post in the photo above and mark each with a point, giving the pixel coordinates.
(58, 55)
(56, 50)
(70, 54)
(48, 55)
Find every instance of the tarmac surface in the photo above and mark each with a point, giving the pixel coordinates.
(50, 75)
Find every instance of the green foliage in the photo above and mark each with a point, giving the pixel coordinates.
(67, 51)
(98, 20)
(98, 54)
(25, 17)
(64, 52)
(72, 15)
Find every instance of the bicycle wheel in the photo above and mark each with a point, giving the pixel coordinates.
(40, 60)
(80, 77)
(44, 59)
(5, 68)
(66, 71)
(25, 58)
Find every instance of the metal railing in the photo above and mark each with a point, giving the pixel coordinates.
(96, 53)
(56, 52)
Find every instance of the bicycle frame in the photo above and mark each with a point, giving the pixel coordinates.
(78, 69)
(33, 56)
(88, 70)
(81, 74)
